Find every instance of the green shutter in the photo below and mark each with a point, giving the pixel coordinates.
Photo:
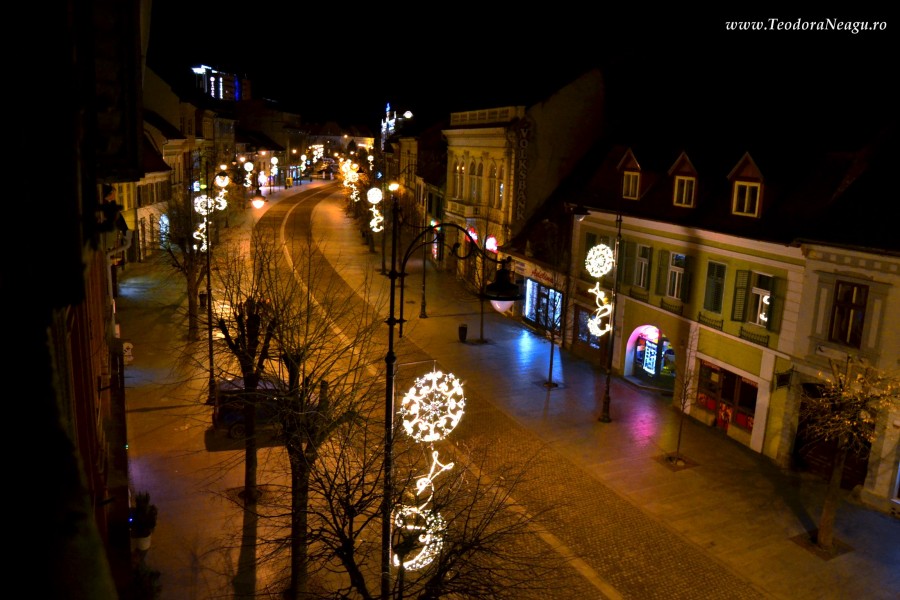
(777, 293)
(626, 264)
(689, 265)
(663, 272)
(741, 289)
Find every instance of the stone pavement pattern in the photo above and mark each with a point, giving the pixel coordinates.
(720, 529)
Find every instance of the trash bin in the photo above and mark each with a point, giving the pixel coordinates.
(463, 331)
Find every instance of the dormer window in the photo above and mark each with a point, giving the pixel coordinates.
(630, 184)
(684, 191)
(745, 201)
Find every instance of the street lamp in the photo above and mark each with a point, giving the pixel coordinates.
(604, 414)
(273, 172)
(502, 291)
(205, 206)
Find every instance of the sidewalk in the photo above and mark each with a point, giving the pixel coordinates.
(721, 528)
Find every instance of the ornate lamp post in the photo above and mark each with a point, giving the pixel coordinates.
(205, 205)
(502, 291)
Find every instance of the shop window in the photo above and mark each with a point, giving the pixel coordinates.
(543, 306)
(731, 396)
(583, 332)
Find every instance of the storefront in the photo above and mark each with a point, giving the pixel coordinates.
(653, 359)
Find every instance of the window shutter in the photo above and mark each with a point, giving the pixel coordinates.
(627, 251)
(779, 285)
(739, 307)
(689, 266)
(663, 272)
(649, 267)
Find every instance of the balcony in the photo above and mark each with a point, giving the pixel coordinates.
(757, 338)
(673, 307)
(710, 322)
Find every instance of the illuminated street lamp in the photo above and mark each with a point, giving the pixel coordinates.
(503, 291)
(602, 259)
(205, 206)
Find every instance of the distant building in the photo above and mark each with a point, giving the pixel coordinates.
(220, 85)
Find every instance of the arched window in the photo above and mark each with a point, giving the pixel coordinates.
(492, 187)
(473, 185)
(479, 187)
(500, 189)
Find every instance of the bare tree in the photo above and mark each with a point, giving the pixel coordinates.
(184, 254)
(316, 352)
(846, 410)
(482, 543)
(685, 390)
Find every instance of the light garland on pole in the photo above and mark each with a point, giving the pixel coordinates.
(374, 196)
(599, 262)
(431, 410)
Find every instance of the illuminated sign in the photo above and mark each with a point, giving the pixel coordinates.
(650, 357)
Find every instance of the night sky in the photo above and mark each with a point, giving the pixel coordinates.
(344, 64)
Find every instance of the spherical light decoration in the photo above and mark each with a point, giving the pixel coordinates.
(204, 205)
(432, 408)
(374, 195)
(599, 260)
(248, 167)
(424, 525)
(222, 179)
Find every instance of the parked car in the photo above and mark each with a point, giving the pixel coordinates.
(230, 400)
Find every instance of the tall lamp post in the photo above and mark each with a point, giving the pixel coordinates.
(501, 291)
(204, 205)
(604, 413)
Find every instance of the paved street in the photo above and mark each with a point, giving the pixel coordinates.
(724, 527)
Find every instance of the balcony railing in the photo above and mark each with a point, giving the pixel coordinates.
(639, 293)
(710, 322)
(757, 338)
(672, 307)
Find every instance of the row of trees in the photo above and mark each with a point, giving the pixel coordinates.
(286, 318)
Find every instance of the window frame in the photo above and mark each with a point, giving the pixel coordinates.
(642, 266)
(714, 295)
(675, 275)
(631, 184)
(739, 198)
(684, 191)
(852, 328)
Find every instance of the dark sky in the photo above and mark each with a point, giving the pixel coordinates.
(335, 62)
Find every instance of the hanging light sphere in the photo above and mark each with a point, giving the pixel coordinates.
(599, 260)
(222, 179)
(248, 167)
(374, 195)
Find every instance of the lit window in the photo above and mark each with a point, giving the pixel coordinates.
(684, 191)
(760, 299)
(746, 199)
(630, 183)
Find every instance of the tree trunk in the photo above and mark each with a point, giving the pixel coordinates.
(299, 526)
(250, 445)
(825, 535)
